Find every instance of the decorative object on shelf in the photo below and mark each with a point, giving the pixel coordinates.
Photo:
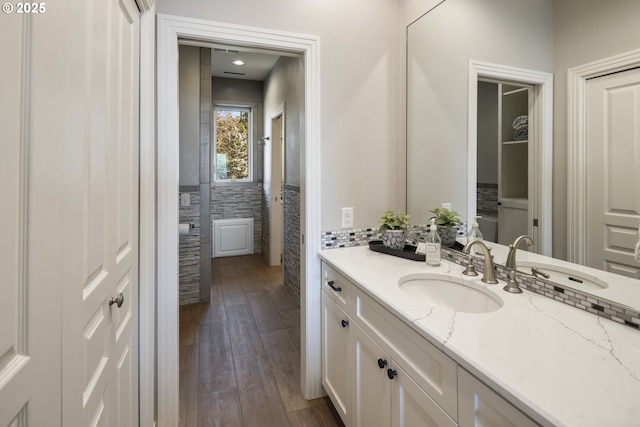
(448, 222)
(521, 128)
(394, 225)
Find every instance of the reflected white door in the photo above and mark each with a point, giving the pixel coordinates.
(613, 171)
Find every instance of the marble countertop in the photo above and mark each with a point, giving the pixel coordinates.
(559, 365)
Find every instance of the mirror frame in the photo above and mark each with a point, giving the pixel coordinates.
(540, 190)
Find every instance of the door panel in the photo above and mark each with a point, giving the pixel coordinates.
(613, 171)
(371, 392)
(101, 216)
(30, 272)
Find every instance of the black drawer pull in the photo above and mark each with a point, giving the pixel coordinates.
(335, 288)
(382, 363)
(391, 373)
(345, 323)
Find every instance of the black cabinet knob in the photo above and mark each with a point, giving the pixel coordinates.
(391, 373)
(382, 363)
(345, 323)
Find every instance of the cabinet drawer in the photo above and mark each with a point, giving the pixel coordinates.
(429, 367)
(336, 286)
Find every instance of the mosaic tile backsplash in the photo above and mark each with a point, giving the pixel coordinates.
(587, 302)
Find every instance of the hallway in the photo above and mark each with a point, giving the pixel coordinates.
(240, 354)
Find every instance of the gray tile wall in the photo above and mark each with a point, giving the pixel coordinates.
(292, 240)
(266, 210)
(487, 199)
(189, 251)
(239, 201)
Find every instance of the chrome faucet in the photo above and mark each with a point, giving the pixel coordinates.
(489, 275)
(511, 258)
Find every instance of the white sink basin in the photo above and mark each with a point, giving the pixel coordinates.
(454, 293)
(565, 276)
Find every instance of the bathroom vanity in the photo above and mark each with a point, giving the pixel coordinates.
(395, 355)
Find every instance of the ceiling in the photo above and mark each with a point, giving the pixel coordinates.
(257, 65)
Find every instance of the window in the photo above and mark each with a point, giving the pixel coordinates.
(232, 151)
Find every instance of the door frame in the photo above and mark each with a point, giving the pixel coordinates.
(577, 145)
(276, 222)
(170, 30)
(542, 151)
(147, 216)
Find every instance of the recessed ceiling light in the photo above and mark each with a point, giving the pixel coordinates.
(238, 62)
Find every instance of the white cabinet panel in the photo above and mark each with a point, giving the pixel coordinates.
(479, 406)
(336, 356)
(411, 406)
(370, 396)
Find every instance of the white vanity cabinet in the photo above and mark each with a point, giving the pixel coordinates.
(375, 369)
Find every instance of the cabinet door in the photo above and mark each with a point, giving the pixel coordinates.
(335, 356)
(479, 406)
(370, 396)
(411, 406)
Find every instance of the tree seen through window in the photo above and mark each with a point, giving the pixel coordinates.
(232, 143)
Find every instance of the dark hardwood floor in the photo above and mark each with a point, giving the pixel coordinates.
(240, 353)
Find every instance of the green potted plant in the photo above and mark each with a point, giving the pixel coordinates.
(448, 222)
(394, 225)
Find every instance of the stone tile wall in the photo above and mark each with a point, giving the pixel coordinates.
(189, 251)
(240, 201)
(292, 240)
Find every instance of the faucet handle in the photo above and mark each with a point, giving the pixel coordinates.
(512, 284)
(470, 269)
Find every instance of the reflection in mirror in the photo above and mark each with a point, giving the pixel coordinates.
(503, 160)
(445, 44)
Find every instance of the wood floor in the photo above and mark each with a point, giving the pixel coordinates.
(240, 353)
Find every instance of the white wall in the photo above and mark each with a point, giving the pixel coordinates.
(285, 85)
(362, 61)
(584, 31)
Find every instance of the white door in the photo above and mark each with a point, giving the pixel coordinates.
(71, 185)
(30, 271)
(613, 172)
(276, 222)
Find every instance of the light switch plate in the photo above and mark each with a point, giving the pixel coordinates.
(185, 199)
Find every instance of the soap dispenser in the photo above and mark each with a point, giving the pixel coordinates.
(475, 234)
(433, 244)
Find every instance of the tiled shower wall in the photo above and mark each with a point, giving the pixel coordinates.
(292, 240)
(239, 201)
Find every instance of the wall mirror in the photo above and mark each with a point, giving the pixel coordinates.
(462, 49)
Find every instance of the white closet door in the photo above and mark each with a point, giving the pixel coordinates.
(613, 171)
(30, 271)
(100, 338)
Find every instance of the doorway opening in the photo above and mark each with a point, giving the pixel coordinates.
(539, 148)
(171, 30)
(504, 163)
